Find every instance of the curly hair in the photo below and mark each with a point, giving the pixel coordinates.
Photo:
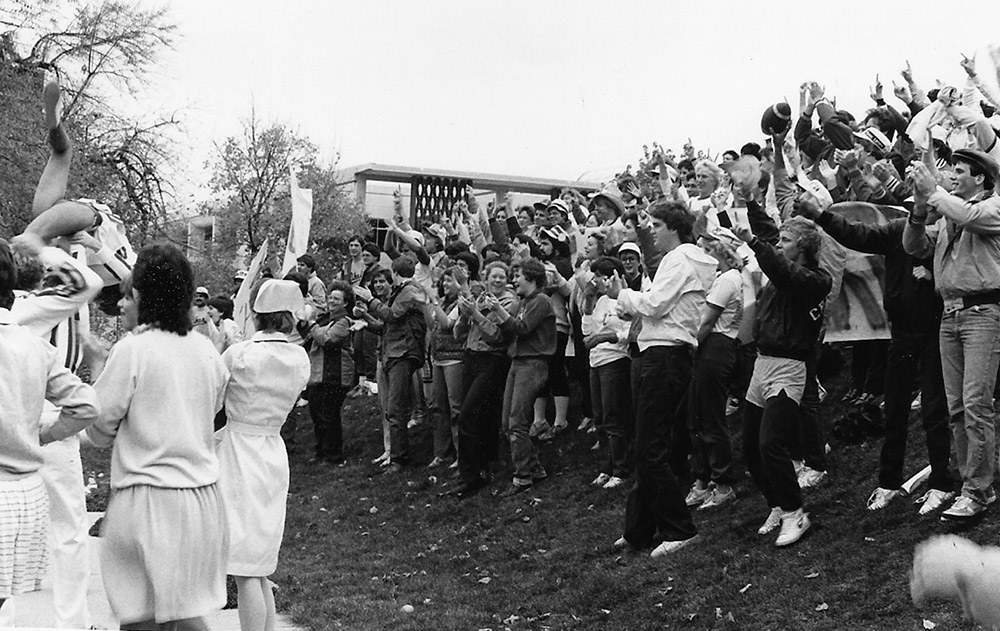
(676, 216)
(534, 271)
(345, 288)
(164, 281)
(808, 235)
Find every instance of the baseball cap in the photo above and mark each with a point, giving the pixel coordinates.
(201, 290)
(879, 140)
(628, 246)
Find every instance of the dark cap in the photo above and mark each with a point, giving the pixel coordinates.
(978, 158)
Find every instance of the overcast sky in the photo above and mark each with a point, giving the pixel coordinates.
(548, 89)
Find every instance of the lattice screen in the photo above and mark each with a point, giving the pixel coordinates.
(430, 196)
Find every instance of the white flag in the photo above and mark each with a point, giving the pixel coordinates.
(242, 312)
(298, 230)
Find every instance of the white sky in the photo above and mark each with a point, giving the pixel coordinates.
(548, 89)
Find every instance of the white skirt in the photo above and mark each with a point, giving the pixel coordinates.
(163, 553)
(24, 530)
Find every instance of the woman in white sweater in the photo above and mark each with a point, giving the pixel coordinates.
(165, 536)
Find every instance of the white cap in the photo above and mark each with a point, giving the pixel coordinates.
(278, 295)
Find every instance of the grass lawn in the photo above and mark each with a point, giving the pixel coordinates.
(359, 546)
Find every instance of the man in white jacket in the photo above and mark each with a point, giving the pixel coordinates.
(670, 312)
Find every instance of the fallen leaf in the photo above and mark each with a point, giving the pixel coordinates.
(373, 510)
(745, 588)
(605, 611)
(928, 624)
(730, 618)
(322, 510)
(822, 607)
(813, 575)
(691, 616)
(485, 580)
(869, 539)
(718, 613)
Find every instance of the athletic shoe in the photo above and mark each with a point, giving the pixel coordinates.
(614, 482)
(696, 496)
(933, 500)
(771, 523)
(437, 462)
(669, 547)
(301, 403)
(991, 496)
(794, 524)
(732, 406)
(810, 477)
(880, 498)
(963, 509)
(383, 458)
(718, 498)
(585, 424)
(548, 434)
(916, 404)
(596, 446)
(621, 543)
(601, 479)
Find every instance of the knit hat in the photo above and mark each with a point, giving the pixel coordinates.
(278, 295)
(559, 205)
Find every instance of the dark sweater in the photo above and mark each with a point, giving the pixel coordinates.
(910, 303)
(532, 329)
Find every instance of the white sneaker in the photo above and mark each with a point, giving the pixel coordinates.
(964, 508)
(620, 544)
(797, 464)
(794, 524)
(697, 495)
(880, 498)
(585, 424)
(933, 500)
(718, 498)
(810, 477)
(601, 479)
(614, 482)
(669, 547)
(771, 523)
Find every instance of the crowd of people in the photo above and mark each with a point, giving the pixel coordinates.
(663, 298)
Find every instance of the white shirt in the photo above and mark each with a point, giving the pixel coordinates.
(727, 294)
(267, 375)
(605, 319)
(159, 393)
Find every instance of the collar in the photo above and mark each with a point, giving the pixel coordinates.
(274, 336)
(6, 317)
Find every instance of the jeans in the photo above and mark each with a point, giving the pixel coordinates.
(711, 450)
(446, 403)
(399, 376)
(970, 353)
(484, 376)
(915, 357)
(611, 401)
(524, 382)
(325, 403)
(655, 506)
(767, 434)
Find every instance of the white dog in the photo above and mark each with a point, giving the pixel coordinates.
(951, 567)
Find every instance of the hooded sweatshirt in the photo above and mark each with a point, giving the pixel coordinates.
(672, 306)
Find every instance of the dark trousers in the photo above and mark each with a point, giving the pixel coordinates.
(767, 434)
(399, 375)
(711, 450)
(611, 397)
(809, 445)
(655, 507)
(868, 365)
(325, 403)
(915, 357)
(484, 378)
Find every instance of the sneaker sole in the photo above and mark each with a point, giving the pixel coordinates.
(802, 534)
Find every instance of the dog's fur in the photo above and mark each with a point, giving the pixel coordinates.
(954, 568)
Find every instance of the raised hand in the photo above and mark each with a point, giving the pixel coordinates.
(743, 233)
(902, 93)
(969, 65)
(816, 92)
(877, 90)
(907, 72)
(924, 182)
(363, 293)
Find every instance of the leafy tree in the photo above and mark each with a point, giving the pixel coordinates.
(250, 176)
(96, 51)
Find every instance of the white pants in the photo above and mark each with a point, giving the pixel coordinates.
(68, 538)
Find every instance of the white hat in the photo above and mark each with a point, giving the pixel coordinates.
(201, 290)
(416, 235)
(278, 295)
(628, 246)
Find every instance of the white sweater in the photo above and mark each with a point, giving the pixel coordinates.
(159, 394)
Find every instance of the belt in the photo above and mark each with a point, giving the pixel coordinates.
(253, 430)
(964, 302)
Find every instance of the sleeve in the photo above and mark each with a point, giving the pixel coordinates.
(530, 317)
(788, 275)
(761, 224)
(115, 388)
(872, 239)
(332, 333)
(811, 144)
(113, 263)
(785, 192)
(77, 401)
(841, 136)
(670, 282)
(41, 311)
(980, 218)
(409, 297)
(724, 289)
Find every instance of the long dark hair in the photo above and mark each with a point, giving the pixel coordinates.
(164, 281)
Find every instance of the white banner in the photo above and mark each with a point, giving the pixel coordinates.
(242, 313)
(298, 230)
